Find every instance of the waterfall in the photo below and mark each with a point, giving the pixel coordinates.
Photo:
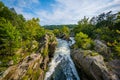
(62, 67)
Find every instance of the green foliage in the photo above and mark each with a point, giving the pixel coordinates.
(94, 54)
(10, 37)
(91, 53)
(82, 41)
(117, 49)
(117, 22)
(11, 15)
(17, 33)
(31, 31)
(32, 74)
(56, 32)
(65, 30)
(62, 32)
(105, 26)
(45, 51)
(85, 26)
(105, 33)
(51, 42)
(30, 28)
(52, 27)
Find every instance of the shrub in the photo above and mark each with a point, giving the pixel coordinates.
(82, 41)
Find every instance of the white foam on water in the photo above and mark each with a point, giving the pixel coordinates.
(62, 52)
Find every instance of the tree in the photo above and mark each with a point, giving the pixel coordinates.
(82, 41)
(65, 31)
(30, 29)
(9, 37)
(117, 22)
(56, 32)
(85, 26)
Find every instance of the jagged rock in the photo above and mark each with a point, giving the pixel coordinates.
(115, 66)
(27, 67)
(34, 66)
(48, 43)
(63, 36)
(93, 66)
(100, 47)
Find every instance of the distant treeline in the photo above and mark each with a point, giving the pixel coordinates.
(52, 27)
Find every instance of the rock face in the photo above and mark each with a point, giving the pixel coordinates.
(26, 69)
(34, 66)
(63, 36)
(115, 66)
(93, 66)
(47, 45)
(102, 48)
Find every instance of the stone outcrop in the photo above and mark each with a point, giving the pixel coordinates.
(28, 68)
(102, 48)
(34, 66)
(115, 66)
(63, 36)
(93, 65)
(47, 45)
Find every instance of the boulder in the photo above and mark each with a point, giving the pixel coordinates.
(115, 66)
(102, 48)
(92, 65)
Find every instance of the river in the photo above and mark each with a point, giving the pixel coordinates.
(61, 66)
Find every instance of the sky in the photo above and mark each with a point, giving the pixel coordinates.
(55, 12)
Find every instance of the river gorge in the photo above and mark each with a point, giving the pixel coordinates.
(62, 67)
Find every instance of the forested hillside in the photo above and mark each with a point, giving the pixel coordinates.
(51, 27)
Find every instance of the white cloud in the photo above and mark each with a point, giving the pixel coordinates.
(67, 11)
(70, 11)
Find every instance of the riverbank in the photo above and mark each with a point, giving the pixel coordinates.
(92, 65)
(35, 65)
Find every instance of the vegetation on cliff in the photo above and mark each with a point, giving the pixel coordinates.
(104, 27)
(19, 38)
(63, 32)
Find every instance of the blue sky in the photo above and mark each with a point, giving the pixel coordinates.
(62, 11)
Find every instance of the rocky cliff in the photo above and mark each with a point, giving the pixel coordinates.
(34, 66)
(91, 64)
